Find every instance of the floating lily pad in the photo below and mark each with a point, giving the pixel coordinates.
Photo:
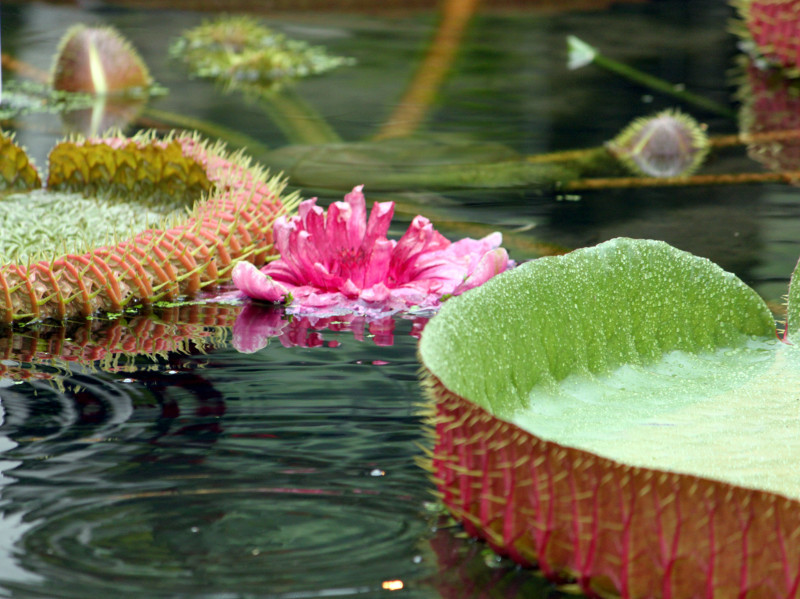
(154, 219)
(625, 417)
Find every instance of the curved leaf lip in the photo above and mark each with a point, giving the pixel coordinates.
(231, 221)
(613, 527)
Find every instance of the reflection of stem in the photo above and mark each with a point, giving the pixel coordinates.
(412, 108)
(718, 141)
(298, 121)
(737, 179)
(722, 141)
(589, 54)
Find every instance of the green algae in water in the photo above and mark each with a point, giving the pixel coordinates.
(47, 223)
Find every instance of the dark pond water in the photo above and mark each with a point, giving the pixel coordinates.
(291, 472)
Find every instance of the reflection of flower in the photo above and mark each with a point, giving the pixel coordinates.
(770, 117)
(256, 324)
(342, 262)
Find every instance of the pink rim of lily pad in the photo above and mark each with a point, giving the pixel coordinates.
(614, 530)
(340, 261)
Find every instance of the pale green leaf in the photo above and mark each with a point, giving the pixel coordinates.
(635, 351)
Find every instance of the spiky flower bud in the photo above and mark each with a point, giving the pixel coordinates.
(98, 60)
(667, 144)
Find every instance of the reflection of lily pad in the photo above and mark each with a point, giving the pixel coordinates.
(49, 350)
(102, 268)
(27, 97)
(398, 163)
(242, 54)
(623, 416)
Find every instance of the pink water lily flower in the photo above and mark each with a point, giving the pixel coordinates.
(342, 262)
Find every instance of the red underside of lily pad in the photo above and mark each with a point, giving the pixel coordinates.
(615, 530)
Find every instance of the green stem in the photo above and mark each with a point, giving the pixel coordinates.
(297, 119)
(581, 54)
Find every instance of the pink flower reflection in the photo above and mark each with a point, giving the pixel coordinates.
(342, 262)
(257, 324)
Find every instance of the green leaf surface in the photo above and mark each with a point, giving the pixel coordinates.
(635, 351)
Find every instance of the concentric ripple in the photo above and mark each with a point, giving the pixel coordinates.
(285, 473)
(264, 541)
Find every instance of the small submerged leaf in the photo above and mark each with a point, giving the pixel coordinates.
(241, 53)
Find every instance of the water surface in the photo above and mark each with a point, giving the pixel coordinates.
(291, 472)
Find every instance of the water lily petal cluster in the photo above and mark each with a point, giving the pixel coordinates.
(341, 261)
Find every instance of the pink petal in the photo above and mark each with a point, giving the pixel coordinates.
(282, 272)
(357, 220)
(314, 222)
(492, 263)
(411, 244)
(281, 232)
(255, 284)
(350, 289)
(378, 263)
(380, 218)
(376, 293)
(337, 224)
